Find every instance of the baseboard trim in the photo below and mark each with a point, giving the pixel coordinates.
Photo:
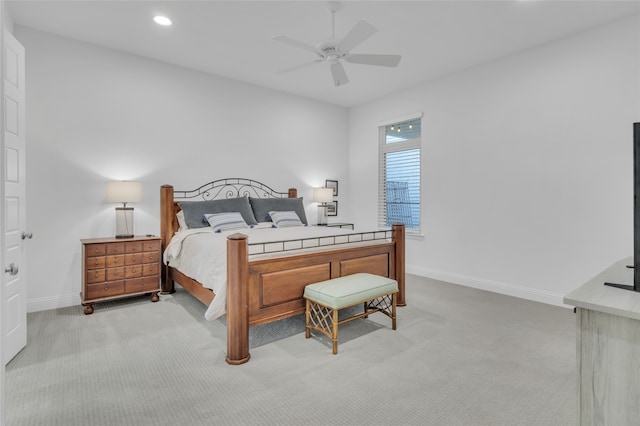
(527, 293)
(54, 302)
(550, 298)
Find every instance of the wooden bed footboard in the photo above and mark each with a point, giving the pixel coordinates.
(260, 291)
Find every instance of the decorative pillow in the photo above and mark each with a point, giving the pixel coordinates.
(285, 219)
(262, 206)
(194, 211)
(223, 221)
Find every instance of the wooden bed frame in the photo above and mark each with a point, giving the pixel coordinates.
(264, 290)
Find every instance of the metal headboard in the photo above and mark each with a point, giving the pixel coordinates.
(230, 188)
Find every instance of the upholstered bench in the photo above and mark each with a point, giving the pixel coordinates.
(326, 298)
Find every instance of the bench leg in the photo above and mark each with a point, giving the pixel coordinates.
(334, 339)
(394, 301)
(307, 329)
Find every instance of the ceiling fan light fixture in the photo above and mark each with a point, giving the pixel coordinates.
(162, 21)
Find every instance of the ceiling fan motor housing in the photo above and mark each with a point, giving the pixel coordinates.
(330, 50)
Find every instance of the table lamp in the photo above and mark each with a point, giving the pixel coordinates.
(322, 196)
(124, 192)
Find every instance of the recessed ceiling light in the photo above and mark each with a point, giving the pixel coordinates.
(162, 20)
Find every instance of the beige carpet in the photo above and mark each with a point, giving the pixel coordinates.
(459, 357)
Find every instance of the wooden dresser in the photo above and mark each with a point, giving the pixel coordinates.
(114, 268)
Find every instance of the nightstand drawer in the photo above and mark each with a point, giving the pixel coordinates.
(115, 274)
(151, 246)
(133, 247)
(95, 276)
(133, 258)
(96, 250)
(150, 269)
(96, 262)
(133, 271)
(142, 284)
(151, 257)
(113, 261)
(106, 289)
(116, 248)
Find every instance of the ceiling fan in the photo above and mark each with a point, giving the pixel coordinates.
(334, 50)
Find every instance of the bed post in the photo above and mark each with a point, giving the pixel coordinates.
(166, 233)
(398, 237)
(237, 300)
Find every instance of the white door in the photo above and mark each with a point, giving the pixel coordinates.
(2, 410)
(14, 235)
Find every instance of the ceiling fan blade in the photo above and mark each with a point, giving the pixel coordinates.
(296, 43)
(381, 60)
(297, 67)
(362, 31)
(339, 74)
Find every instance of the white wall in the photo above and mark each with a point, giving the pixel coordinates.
(527, 167)
(527, 176)
(7, 20)
(95, 115)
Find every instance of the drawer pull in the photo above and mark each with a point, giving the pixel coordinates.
(106, 288)
(115, 260)
(133, 259)
(115, 273)
(96, 274)
(133, 270)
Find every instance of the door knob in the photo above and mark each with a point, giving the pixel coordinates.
(12, 269)
(26, 235)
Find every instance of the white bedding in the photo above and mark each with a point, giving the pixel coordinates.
(201, 253)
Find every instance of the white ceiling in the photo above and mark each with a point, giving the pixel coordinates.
(234, 38)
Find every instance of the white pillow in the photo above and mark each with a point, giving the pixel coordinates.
(182, 224)
(223, 221)
(285, 219)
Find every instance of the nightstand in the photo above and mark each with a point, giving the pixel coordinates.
(340, 225)
(113, 268)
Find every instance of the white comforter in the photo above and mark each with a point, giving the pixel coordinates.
(201, 254)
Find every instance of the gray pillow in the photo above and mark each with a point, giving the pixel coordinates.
(194, 211)
(262, 206)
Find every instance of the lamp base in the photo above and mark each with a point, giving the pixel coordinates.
(322, 215)
(124, 222)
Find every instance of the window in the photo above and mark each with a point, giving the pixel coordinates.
(399, 174)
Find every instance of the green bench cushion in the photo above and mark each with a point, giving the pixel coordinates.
(346, 291)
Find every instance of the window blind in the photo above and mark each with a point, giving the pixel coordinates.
(399, 192)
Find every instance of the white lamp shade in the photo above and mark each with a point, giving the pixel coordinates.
(124, 192)
(323, 195)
